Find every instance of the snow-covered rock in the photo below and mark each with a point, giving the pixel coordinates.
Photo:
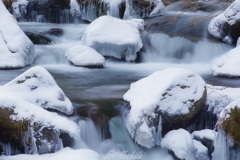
(158, 9)
(30, 128)
(206, 137)
(181, 143)
(228, 64)
(201, 151)
(64, 154)
(38, 87)
(16, 50)
(173, 95)
(218, 97)
(113, 37)
(220, 26)
(85, 56)
(19, 8)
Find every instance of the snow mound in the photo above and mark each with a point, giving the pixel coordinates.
(64, 154)
(19, 8)
(158, 9)
(181, 143)
(114, 38)
(201, 151)
(85, 56)
(218, 97)
(16, 50)
(28, 111)
(229, 17)
(206, 133)
(38, 87)
(228, 64)
(165, 92)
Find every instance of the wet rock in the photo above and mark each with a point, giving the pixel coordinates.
(38, 38)
(54, 32)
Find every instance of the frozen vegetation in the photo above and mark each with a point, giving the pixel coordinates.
(113, 37)
(16, 50)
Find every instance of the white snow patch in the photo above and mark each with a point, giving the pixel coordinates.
(16, 50)
(225, 113)
(181, 143)
(37, 86)
(218, 97)
(81, 55)
(158, 9)
(64, 154)
(19, 8)
(201, 151)
(113, 37)
(205, 133)
(228, 64)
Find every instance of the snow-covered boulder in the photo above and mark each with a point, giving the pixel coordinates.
(19, 8)
(218, 97)
(180, 143)
(225, 25)
(166, 99)
(29, 128)
(206, 137)
(85, 56)
(228, 64)
(64, 154)
(38, 87)
(16, 50)
(113, 37)
(158, 9)
(201, 151)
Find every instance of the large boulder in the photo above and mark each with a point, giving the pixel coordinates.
(225, 25)
(113, 37)
(85, 56)
(28, 128)
(165, 100)
(16, 50)
(228, 64)
(37, 86)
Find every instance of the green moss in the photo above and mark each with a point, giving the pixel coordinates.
(231, 126)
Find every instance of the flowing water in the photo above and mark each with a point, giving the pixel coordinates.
(105, 87)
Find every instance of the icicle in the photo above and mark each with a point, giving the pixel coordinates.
(159, 132)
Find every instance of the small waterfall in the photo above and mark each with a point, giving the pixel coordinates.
(7, 149)
(221, 146)
(163, 48)
(159, 132)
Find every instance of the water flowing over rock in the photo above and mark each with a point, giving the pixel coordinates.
(164, 94)
(85, 56)
(225, 25)
(37, 86)
(119, 38)
(16, 50)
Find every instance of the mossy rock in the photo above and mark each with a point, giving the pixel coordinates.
(231, 125)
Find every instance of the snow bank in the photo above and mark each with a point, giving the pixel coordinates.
(25, 110)
(218, 97)
(38, 87)
(228, 64)
(201, 151)
(64, 154)
(19, 8)
(229, 17)
(85, 56)
(172, 92)
(181, 143)
(16, 50)
(205, 133)
(114, 38)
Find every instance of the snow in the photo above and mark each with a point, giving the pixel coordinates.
(81, 55)
(64, 154)
(75, 8)
(158, 9)
(225, 113)
(230, 16)
(181, 143)
(201, 151)
(228, 64)
(16, 50)
(25, 110)
(205, 133)
(113, 37)
(19, 8)
(218, 97)
(161, 91)
(38, 87)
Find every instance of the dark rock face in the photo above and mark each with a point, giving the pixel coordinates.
(54, 32)
(38, 38)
